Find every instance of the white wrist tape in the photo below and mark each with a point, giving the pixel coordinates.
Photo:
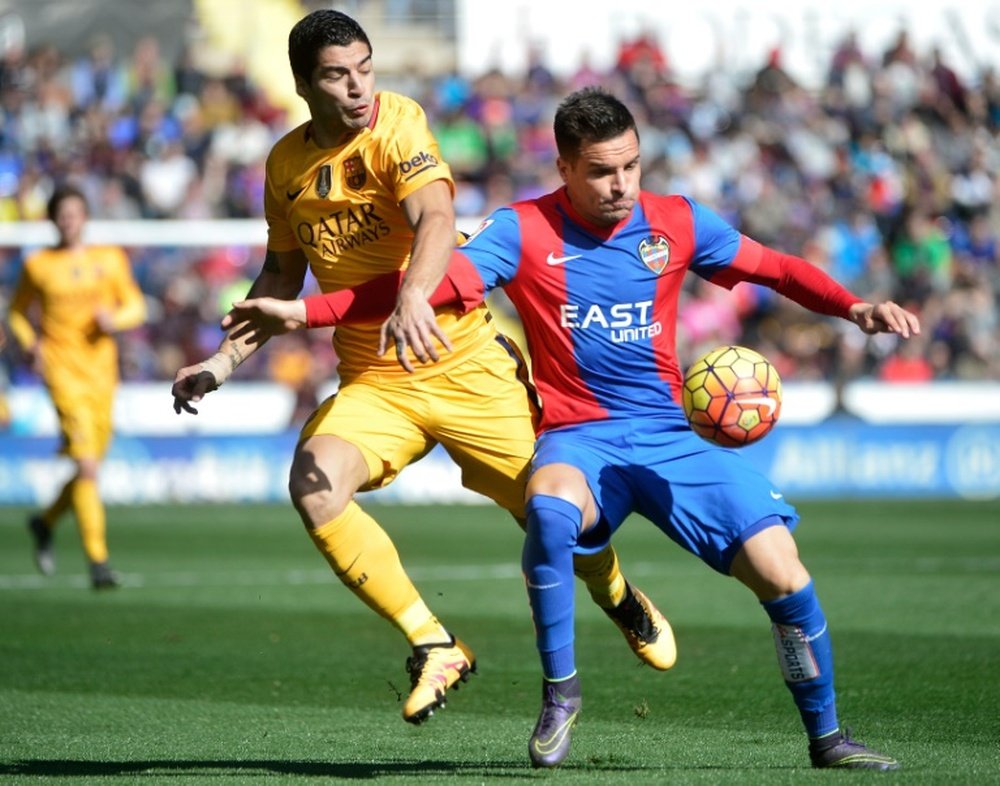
(220, 366)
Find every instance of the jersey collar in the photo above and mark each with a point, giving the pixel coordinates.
(308, 137)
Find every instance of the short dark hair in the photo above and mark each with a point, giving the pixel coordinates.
(317, 31)
(590, 115)
(60, 195)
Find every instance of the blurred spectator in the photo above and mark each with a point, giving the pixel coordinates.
(921, 256)
(976, 243)
(166, 177)
(949, 87)
(585, 75)
(771, 85)
(463, 144)
(150, 77)
(908, 363)
(852, 241)
(641, 53)
(98, 79)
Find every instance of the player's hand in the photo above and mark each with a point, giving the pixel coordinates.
(262, 317)
(191, 384)
(413, 324)
(887, 317)
(105, 322)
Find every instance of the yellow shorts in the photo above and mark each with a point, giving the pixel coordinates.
(84, 421)
(482, 411)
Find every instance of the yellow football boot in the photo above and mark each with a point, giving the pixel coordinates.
(433, 669)
(645, 629)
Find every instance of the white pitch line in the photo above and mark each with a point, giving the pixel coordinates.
(463, 572)
(443, 572)
(253, 578)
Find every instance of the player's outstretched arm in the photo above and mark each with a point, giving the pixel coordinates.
(413, 323)
(257, 319)
(811, 287)
(260, 318)
(462, 288)
(886, 317)
(280, 277)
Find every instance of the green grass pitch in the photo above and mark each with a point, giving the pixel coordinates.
(232, 656)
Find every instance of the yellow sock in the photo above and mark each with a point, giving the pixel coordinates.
(60, 505)
(89, 512)
(366, 561)
(602, 575)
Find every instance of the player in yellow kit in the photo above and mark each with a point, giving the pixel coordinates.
(84, 295)
(358, 191)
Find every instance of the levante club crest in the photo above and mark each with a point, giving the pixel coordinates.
(654, 251)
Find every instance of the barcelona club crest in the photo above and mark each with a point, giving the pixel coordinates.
(354, 173)
(654, 251)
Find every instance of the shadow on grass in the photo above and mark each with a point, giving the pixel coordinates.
(358, 770)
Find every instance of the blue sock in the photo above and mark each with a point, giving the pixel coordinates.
(805, 655)
(547, 562)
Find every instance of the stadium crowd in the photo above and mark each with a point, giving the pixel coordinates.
(884, 177)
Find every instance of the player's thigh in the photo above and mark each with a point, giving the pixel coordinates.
(484, 415)
(382, 422)
(84, 422)
(708, 499)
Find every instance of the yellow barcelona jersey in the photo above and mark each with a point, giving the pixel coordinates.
(71, 286)
(341, 206)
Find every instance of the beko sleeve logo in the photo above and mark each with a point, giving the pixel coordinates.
(419, 163)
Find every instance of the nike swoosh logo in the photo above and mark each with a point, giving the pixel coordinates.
(776, 495)
(294, 194)
(763, 401)
(552, 259)
(542, 586)
(545, 747)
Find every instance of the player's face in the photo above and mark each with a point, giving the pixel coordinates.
(70, 216)
(341, 91)
(603, 180)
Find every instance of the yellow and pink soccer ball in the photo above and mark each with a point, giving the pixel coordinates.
(732, 396)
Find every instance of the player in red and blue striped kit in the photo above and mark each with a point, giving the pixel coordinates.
(595, 271)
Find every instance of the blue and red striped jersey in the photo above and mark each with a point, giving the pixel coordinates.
(599, 305)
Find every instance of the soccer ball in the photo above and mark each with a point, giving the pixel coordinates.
(732, 396)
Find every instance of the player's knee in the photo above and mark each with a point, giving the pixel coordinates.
(316, 507)
(553, 528)
(774, 579)
(551, 485)
(566, 483)
(317, 498)
(87, 468)
(781, 587)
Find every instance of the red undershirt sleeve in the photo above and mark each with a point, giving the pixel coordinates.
(374, 300)
(798, 280)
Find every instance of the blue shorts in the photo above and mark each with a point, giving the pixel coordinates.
(708, 499)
